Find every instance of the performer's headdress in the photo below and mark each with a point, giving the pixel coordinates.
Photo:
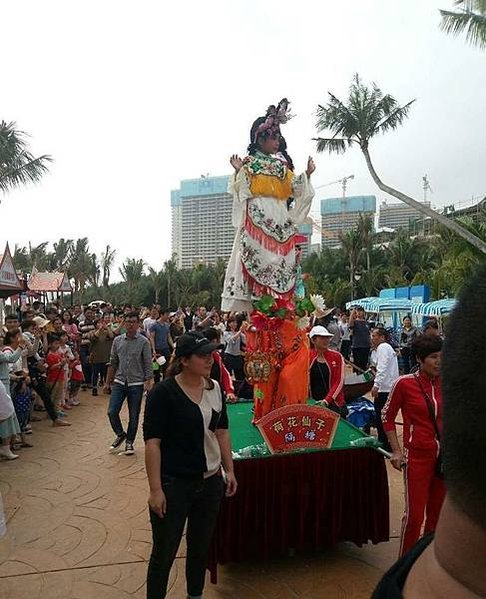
(269, 125)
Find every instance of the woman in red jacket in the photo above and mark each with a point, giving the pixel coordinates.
(326, 372)
(419, 398)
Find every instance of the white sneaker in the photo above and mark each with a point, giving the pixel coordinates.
(7, 454)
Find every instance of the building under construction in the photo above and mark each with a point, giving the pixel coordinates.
(424, 226)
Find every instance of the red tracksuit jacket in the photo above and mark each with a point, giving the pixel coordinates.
(226, 382)
(407, 396)
(335, 363)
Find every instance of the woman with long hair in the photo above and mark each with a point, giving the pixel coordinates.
(269, 201)
(419, 398)
(187, 449)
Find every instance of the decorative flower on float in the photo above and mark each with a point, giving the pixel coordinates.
(270, 313)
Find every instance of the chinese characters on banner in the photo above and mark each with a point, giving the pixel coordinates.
(298, 427)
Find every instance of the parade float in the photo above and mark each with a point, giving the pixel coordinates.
(308, 479)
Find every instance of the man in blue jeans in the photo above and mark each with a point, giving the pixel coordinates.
(130, 373)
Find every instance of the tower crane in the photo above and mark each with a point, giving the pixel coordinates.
(344, 183)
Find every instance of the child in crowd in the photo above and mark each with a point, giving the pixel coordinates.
(77, 378)
(65, 351)
(56, 373)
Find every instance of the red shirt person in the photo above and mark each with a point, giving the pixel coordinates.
(326, 370)
(419, 398)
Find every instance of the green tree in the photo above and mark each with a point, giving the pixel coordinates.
(132, 271)
(17, 165)
(59, 259)
(107, 260)
(367, 113)
(365, 228)
(470, 18)
(80, 266)
(158, 282)
(352, 244)
(38, 257)
(171, 275)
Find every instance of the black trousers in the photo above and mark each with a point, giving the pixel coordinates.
(160, 373)
(361, 356)
(197, 501)
(346, 348)
(84, 352)
(380, 402)
(409, 360)
(234, 364)
(39, 386)
(98, 370)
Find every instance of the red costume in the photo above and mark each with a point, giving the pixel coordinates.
(335, 364)
(424, 489)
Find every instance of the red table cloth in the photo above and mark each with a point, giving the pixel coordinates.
(307, 502)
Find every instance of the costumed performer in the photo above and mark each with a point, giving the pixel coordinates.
(269, 201)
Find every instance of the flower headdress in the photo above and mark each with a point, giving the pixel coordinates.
(276, 116)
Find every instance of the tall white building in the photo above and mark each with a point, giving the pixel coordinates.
(202, 230)
(398, 215)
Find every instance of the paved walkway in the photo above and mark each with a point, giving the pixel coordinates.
(78, 529)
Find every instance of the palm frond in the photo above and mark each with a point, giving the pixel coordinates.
(332, 145)
(393, 120)
(25, 170)
(471, 19)
(17, 165)
(337, 117)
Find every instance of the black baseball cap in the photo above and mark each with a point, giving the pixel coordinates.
(194, 343)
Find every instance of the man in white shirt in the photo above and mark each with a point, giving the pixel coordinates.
(385, 361)
(149, 322)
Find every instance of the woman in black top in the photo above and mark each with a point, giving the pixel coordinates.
(186, 445)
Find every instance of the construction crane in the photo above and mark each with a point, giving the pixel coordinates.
(344, 183)
(426, 186)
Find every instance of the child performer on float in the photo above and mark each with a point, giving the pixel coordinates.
(263, 260)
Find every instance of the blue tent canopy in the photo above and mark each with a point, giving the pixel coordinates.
(382, 304)
(438, 308)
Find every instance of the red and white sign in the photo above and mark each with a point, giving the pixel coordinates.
(298, 427)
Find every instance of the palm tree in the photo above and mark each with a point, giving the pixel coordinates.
(368, 113)
(94, 271)
(17, 165)
(60, 257)
(372, 280)
(352, 244)
(132, 271)
(38, 257)
(365, 227)
(158, 280)
(21, 259)
(80, 265)
(170, 271)
(107, 260)
(470, 17)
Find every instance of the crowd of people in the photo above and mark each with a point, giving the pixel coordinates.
(48, 354)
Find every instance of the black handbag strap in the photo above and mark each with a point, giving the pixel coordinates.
(430, 407)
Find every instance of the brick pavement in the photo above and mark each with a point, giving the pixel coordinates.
(78, 528)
